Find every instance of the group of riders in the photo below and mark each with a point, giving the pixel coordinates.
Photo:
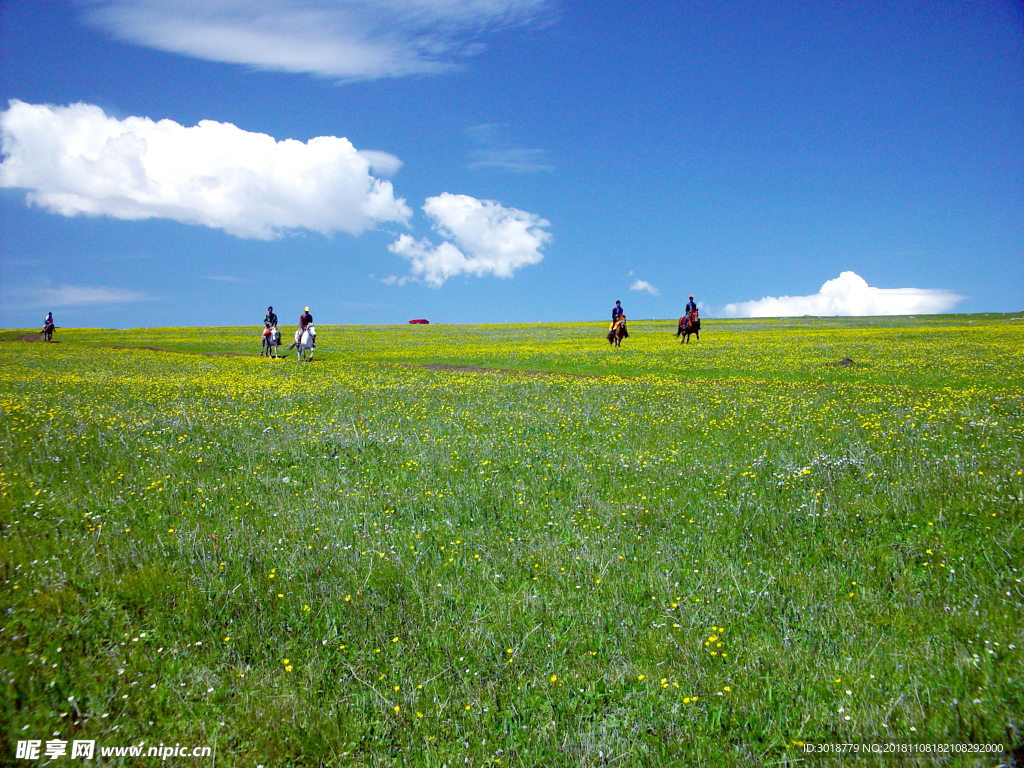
(688, 323)
(271, 335)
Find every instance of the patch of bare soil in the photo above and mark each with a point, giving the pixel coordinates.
(465, 368)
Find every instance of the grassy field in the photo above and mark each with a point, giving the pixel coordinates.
(514, 546)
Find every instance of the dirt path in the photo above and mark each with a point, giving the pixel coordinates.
(31, 338)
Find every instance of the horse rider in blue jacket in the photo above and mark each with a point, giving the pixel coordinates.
(691, 311)
(618, 316)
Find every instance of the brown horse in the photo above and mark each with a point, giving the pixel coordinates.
(688, 327)
(618, 332)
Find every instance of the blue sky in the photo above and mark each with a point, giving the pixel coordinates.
(507, 160)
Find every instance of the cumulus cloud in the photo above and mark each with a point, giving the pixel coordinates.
(849, 295)
(643, 285)
(489, 239)
(77, 160)
(338, 39)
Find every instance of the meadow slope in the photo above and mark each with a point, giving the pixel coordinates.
(512, 545)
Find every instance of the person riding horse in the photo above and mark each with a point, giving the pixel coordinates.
(305, 320)
(618, 316)
(269, 322)
(617, 330)
(48, 326)
(271, 335)
(689, 323)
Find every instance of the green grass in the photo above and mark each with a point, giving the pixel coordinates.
(383, 558)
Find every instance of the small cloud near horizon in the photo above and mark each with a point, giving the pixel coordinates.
(643, 285)
(73, 296)
(849, 295)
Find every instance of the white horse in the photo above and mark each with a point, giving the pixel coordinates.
(304, 342)
(270, 342)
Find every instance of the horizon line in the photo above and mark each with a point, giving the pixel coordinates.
(540, 322)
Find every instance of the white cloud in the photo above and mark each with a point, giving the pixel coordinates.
(434, 263)
(849, 295)
(77, 160)
(383, 163)
(339, 39)
(494, 151)
(489, 239)
(512, 159)
(643, 285)
(68, 296)
(225, 279)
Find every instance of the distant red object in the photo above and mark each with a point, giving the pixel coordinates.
(421, 321)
